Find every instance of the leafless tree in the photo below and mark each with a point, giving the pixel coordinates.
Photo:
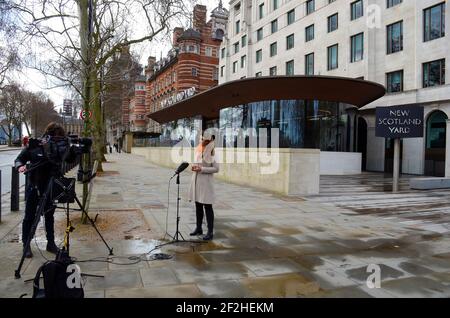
(76, 53)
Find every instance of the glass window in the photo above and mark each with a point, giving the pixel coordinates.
(394, 82)
(395, 37)
(244, 40)
(258, 56)
(259, 74)
(289, 42)
(237, 27)
(275, 4)
(310, 6)
(222, 71)
(309, 33)
(261, 11)
(357, 47)
(434, 73)
(259, 34)
(243, 60)
(290, 67)
(434, 22)
(273, 71)
(357, 9)
(332, 23)
(309, 64)
(436, 130)
(222, 53)
(291, 17)
(333, 57)
(194, 72)
(235, 63)
(274, 26)
(273, 49)
(391, 3)
(236, 47)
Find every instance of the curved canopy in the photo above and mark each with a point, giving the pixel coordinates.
(234, 93)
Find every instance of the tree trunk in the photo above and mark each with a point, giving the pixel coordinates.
(99, 143)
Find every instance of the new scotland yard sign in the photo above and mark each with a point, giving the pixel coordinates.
(399, 122)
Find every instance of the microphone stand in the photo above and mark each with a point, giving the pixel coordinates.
(176, 237)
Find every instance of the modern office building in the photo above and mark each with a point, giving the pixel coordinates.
(401, 44)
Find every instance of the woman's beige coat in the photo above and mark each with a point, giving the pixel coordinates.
(202, 186)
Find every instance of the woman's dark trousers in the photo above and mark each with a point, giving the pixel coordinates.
(199, 207)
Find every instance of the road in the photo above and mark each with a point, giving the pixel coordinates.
(6, 162)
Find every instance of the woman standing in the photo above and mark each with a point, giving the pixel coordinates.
(201, 190)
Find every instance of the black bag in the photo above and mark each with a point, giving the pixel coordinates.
(55, 280)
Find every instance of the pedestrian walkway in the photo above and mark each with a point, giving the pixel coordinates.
(265, 245)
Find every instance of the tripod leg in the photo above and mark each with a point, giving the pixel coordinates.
(40, 211)
(94, 226)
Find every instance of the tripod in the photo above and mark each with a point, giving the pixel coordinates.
(67, 196)
(176, 237)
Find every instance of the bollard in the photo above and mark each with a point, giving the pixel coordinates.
(14, 189)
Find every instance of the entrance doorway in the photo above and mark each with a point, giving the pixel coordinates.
(362, 142)
(435, 144)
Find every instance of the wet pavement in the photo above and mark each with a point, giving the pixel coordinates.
(265, 245)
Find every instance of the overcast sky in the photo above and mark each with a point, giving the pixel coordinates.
(35, 81)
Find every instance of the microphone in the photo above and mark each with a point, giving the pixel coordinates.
(181, 168)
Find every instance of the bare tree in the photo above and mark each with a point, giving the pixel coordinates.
(83, 36)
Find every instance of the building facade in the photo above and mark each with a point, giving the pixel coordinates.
(137, 111)
(400, 44)
(191, 65)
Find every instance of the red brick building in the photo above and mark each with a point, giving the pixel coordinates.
(191, 65)
(137, 111)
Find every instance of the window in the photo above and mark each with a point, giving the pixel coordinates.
(309, 64)
(333, 57)
(274, 26)
(291, 17)
(235, 64)
(215, 73)
(290, 67)
(273, 49)
(391, 3)
(194, 72)
(309, 33)
(258, 56)
(237, 27)
(275, 4)
(357, 9)
(273, 71)
(434, 22)
(236, 47)
(289, 42)
(237, 8)
(208, 51)
(259, 74)
(243, 60)
(261, 11)
(222, 71)
(357, 47)
(434, 73)
(222, 53)
(310, 6)
(395, 37)
(332, 23)
(259, 34)
(244, 40)
(394, 82)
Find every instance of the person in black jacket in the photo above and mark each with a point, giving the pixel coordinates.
(40, 173)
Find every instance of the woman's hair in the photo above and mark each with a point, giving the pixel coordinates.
(55, 130)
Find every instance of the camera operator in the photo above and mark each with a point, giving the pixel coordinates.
(41, 171)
